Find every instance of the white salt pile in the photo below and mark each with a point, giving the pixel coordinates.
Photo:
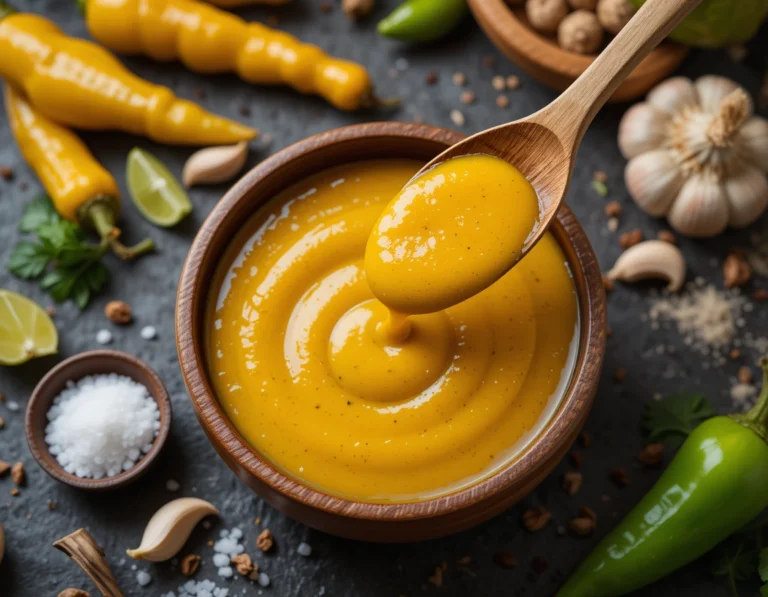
(101, 425)
(202, 588)
(227, 547)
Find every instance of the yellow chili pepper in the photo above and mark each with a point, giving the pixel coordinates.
(80, 188)
(210, 40)
(78, 83)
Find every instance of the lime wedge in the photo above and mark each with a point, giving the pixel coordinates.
(26, 331)
(154, 190)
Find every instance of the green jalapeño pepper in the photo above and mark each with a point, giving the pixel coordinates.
(423, 20)
(716, 484)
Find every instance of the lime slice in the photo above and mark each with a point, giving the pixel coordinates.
(154, 190)
(26, 331)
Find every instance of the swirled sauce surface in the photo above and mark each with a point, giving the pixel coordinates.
(317, 378)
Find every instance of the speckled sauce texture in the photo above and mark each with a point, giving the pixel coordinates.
(337, 567)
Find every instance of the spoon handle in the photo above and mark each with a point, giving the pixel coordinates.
(571, 114)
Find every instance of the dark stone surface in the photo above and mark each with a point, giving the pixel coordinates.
(339, 567)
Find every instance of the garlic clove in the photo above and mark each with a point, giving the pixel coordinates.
(712, 89)
(701, 207)
(752, 141)
(673, 95)
(213, 165)
(747, 194)
(651, 259)
(654, 179)
(170, 527)
(642, 128)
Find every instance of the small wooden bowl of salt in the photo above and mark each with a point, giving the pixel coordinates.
(98, 420)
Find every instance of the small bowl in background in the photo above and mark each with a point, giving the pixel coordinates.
(94, 362)
(540, 56)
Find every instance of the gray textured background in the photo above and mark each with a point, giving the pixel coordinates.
(338, 567)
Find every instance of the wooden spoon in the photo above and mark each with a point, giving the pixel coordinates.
(543, 146)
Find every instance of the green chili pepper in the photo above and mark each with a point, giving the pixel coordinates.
(423, 20)
(717, 482)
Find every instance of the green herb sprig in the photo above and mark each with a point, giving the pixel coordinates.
(69, 267)
(671, 419)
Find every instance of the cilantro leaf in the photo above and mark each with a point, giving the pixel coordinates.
(671, 419)
(28, 260)
(40, 211)
(600, 188)
(736, 563)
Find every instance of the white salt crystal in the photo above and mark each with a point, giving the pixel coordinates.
(172, 485)
(225, 572)
(236, 533)
(148, 332)
(263, 579)
(98, 426)
(13, 406)
(103, 336)
(143, 578)
(221, 560)
(304, 549)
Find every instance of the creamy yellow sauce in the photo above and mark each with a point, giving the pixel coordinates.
(450, 233)
(312, 373)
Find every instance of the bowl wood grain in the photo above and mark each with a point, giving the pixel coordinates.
(540, 56)
(383, 522)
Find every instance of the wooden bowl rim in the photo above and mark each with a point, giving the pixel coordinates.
(499, 20)
(42, 398)
(576, 400)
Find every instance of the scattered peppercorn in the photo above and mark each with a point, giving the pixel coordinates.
(735, 354)
(586, 512)
(437, 578)
(619, 476)
(189, 564)
(631, 238)
(572, 482)
(17, 474)
(502, 101)
(243, 564)
(459, 78)
(613, 209)
(744, 375)
(467, 97)
(536, 519)
(6, 172)
(498, 83)
(245, 110)
(431, 78)
(652, 454)
(118, 312)
(14, 492)
(736, 270)
(581, 526)
(265, 540)
(513, 82)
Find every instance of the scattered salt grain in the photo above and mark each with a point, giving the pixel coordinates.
(143, 578)
(103, 336)
(13, 406)
(148, 332)
(225, 572)
(203, 588)
(172, 485)
(101, 425)
(220, 560)
(742, 395)
(304, 549)
(263, 579)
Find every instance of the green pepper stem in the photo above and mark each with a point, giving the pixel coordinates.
(101, 215)
(6, 9)
(757, 417)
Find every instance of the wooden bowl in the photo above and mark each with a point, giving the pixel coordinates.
(540, 56)
(383, 522)
(93, 362)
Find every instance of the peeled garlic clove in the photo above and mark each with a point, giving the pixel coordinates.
(673, 95)
(747, 194)
(752, 141)
(712, 89)
(642, 128)
(213, 165)
(2, 543)
(651, 259)
(170, 527)
(653, 179)
(701, 207)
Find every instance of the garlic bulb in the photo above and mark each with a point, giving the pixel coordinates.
(697, 155)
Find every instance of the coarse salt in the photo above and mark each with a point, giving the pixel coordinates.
(143, 578)
(101, 425)
(103, 336)
(148, 332)
(203, 588)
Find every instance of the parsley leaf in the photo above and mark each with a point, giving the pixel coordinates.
(40, 211)
(671, 419)
(600, 188)
(69, 265)
(736, 563)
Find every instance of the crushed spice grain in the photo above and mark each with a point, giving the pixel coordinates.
(498, 83)
(118, 312)
(744, 375)
(536, 519)
(504, 559)
(4, 468)
(459, 79)
(581, 526)
(6, 172)
(243, 564)
(513, 82)
(17, 474)
(467, 97)
(437, 578)
(631, 238)
(613, 209)
(265, 541)
(760, 295)
(431, 78)
(587, 512)
(667, 237)
(73, 593)
(600, 176)
(736, 271)
(735, 354)
(2, 422)
(189, 564)
(15, 492)
(652, 454)
(572, 482)
(619, 476)
(502, 101)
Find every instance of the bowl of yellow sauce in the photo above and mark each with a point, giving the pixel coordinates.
(356, 351)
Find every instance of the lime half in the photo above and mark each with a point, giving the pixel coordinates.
(154, 190)
(26, 330)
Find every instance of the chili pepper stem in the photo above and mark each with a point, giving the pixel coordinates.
(756, 418)
(6, 9)
(100, 214)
